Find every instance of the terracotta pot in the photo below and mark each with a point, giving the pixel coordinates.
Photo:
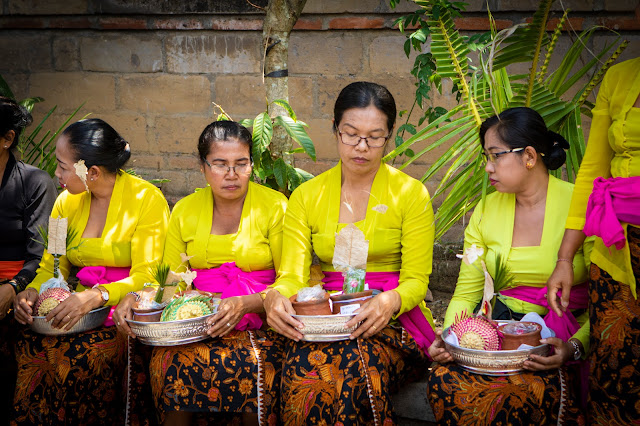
(512, 341)
(347, 303)
(147, 315)
(311, 307)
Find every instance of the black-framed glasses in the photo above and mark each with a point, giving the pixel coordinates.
(223, 169)
(493, 156)
(371, 141)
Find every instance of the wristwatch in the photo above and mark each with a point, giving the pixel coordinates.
(103, 292)
(577, 353)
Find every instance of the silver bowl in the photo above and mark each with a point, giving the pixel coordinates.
(492, 363)
(171, 333)
(90, 321)
(325, 328)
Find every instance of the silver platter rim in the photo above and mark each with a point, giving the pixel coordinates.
(325, 337)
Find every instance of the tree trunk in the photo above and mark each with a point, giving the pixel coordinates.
(281, 16)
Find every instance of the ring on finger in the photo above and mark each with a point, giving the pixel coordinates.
(374, 327)
(228, 324)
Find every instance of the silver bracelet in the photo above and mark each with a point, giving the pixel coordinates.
(135, 294)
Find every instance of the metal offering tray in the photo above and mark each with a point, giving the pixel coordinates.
(91, 320)
(492, 363)
(171, 333)
(325, 328)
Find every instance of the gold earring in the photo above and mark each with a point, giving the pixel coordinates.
(529, 166)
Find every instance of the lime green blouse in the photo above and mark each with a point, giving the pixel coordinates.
(492, 229)
(256, 246)
(133, 234)
(613, 150)
(398, 224)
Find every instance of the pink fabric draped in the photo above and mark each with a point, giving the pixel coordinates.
(612, 201)
(413, 321)
(229, 281)
(564, 327)
(90, 276)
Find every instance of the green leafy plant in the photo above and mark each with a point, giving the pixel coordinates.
(272, 171)
(35, 147)
(156, 182)
(160, 273)
(490, 89)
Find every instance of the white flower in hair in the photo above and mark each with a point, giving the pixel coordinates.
(81, 172)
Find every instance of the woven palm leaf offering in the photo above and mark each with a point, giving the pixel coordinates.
(174, 318)
(58, 239)
(476, 341)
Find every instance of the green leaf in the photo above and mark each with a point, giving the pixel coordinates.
(28, 103)
(280, 172)
(247, 122)
(296, 129)
(5, 90)
(284, 104)
(262, 134)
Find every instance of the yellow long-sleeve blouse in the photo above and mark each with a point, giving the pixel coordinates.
(613, 150)
(492, 230)
(133, 234)
(398, 225)
(256, 246)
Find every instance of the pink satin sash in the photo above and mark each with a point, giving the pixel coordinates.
(90, 276)
(564, 327)
(612, 201)
(413, 321)
(230, 281)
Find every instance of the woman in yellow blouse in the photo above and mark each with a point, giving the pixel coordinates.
(519, 226)
(351, 381)
(232, 234)
(613, 151)
(121, 223)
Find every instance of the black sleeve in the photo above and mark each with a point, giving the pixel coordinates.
(40, 197)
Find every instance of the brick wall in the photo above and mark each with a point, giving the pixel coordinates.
(152, 68)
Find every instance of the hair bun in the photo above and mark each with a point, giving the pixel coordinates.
(556, 156)
(558, 140)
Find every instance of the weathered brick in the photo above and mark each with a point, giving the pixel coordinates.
(165, 94)
(301, 96)
(178, 24)
(186, 162)
(226, 24)
(308, 24)
(66, 54)
(47, 7)
(18, 83)
(323, 138)
(238, 53)
(74, 22)
(325, 54)
(15, 22)
(121, 54)
(626, 23)
(328, 89)
(178, 134)
(532, 5)
(632, 50)
(571, 24)
(386, 56)
(341, 6)
(620, 5)
(477, 23)
(26, 52)
(70, 89)
(176, 7)
(240, 95)
(355, 23)
(142, 160)
(132, 127)
(120, 23)
(178, 185)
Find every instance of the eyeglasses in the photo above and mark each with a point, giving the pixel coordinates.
(371, 141)
(493, 156)
(223, 169)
